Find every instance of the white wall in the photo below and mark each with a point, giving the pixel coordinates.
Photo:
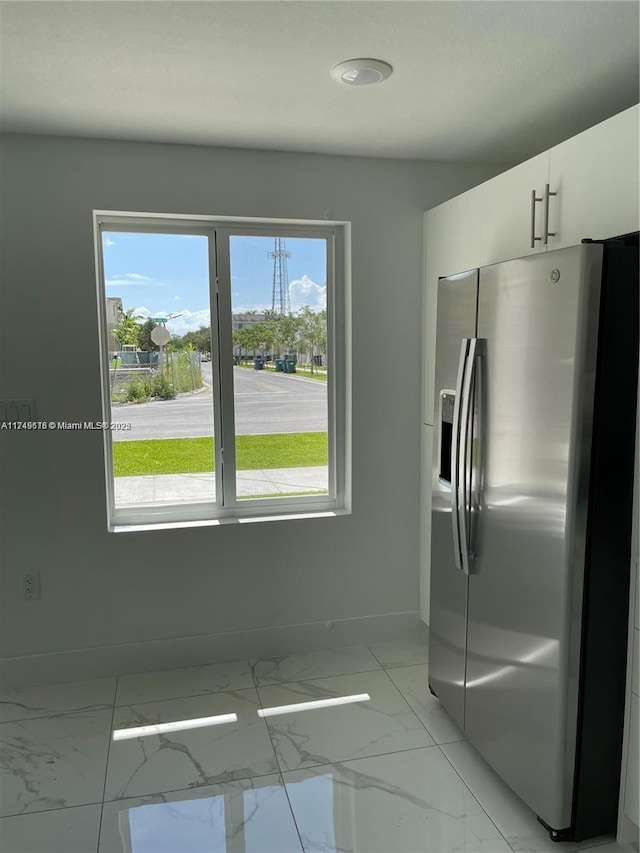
(179, 596)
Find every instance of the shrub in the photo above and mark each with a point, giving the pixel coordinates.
(184, 370)
(135, 391)
(181, 372)
(161, 387)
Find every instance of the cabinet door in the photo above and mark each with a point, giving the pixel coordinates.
(452, 245)
(506, 211)
(595, 176)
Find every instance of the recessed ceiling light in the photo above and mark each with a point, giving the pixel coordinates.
(361, 72)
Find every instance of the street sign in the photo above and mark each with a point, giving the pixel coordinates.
(160, 335)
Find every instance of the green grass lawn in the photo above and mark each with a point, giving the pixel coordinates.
(195, 455)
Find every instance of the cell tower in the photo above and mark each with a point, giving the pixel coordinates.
(280, 300)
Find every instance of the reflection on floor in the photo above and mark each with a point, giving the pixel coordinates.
(337, 750)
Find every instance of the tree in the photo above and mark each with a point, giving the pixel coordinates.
(287, 332)
(253, 337)
(144, 342)
(313, 331)
(199, 340)
(202, 339)
(127, 332)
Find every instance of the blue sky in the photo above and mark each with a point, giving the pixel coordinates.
(168, 274)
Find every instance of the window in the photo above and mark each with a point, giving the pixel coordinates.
(224, 367)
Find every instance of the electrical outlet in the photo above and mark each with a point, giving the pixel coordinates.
(30, 585)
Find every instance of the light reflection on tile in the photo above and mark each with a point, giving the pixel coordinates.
(383, 724)
(73, 830)
(30, 702)
(299, 707)
(248, 816)
(401, 652)
(317, 664)
(513, 818)
(413, 683)
(363, 776)
(187, 681)
(53, 762)
(404, 802)
(187, 758)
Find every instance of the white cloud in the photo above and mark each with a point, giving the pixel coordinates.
(176, 299)
(303, 291)
(189, 321)
(133, 282)
(107, 241)
(137, 277)
(141, 314)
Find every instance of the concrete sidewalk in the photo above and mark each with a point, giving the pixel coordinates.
(172, 488)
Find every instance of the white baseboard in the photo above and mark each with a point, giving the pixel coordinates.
(628, 836)
(125, 658)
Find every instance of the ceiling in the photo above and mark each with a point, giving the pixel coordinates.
(473, 81)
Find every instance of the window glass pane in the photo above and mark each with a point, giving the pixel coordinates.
(279, 315)
(159, 343)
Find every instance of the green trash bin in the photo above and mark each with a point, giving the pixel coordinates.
(279, 365)
(290, 365)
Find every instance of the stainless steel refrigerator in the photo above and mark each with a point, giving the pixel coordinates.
(536, 383)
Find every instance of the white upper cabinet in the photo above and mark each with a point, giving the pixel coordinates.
(597, 194)
(452, 245)
(452, 233)
(512, 211)
(595, 176)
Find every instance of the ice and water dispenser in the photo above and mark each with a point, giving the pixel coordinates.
(447, 403)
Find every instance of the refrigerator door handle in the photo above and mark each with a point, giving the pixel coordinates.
(464, 467)
(455, 453)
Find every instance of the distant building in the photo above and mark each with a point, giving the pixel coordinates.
(241, 321)
(114, 310)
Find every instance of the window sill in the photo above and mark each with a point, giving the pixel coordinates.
(217, 522)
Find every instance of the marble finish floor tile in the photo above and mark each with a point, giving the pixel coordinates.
(401, 652)
(514, 819)
(189, 757)
(247, 816)
(413, 683)
(53, 762)
(303, 738)
(29, 702)
(318, 664)
(405, 802)
(187, 681)
(73, 830)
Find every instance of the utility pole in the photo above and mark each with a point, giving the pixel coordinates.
(280, 303)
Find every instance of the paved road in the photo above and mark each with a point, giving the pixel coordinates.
(264, 403)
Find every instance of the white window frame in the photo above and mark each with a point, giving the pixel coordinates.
(227, 508)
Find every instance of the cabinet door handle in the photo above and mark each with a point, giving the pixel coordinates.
(534, 201)
(547, 233)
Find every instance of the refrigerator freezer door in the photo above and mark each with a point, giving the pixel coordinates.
(539, 316)
(457, 298)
